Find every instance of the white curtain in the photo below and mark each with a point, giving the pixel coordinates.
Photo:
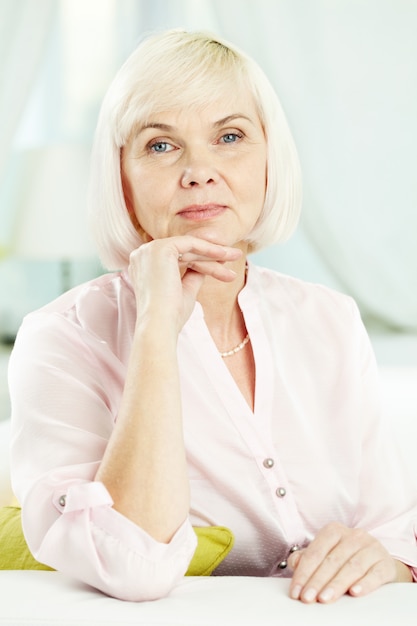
(346, 72)
(24, 30)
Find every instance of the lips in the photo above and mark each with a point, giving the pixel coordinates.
(202, 211)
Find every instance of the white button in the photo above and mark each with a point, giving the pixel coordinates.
(281, 492)
(62, 500)
(268, 463)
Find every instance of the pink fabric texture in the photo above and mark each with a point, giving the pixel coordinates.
(313, 451)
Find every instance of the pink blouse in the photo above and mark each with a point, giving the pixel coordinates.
(314, 450)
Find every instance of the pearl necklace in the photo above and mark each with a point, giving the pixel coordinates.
(244, 341)
(237, 349)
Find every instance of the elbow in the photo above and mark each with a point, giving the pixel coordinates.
(124, 577)
(105, 550)
(105, 563)
(133, 589)
(141, 575)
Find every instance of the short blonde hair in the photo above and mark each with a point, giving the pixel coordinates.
(178, 69)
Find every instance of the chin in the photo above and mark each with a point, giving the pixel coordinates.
(214, 235)
(219, 236)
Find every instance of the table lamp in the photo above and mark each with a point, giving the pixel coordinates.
(51, 207)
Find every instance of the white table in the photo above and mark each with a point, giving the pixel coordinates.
(43, 598)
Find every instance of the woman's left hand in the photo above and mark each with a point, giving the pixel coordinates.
(342, 560)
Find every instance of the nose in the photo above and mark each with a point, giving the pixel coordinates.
(198, 172)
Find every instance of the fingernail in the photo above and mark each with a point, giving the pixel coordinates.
(310, 595)
(356, 590)
(326, 595)
(295, 592)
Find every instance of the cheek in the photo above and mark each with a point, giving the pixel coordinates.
(151, 213)
(133, 199)
(127, 194)
(136, 192)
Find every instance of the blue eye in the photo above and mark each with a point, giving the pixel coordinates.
(230, 137)
(160, 146)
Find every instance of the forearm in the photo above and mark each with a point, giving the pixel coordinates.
(144, 466)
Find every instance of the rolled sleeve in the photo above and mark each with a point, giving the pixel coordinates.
(94, 543)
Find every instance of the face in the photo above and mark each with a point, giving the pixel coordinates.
(198, 172)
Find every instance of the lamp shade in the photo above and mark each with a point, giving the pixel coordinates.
(51, 220)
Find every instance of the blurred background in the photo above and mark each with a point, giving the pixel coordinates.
(346, 73)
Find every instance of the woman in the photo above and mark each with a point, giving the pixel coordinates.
(192, 388)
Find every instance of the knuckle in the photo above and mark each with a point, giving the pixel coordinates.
(335, 525)
(331, 558)
(354, 563)
(334, 529)
(380, 572)
(312, 555)
(134, 255)
(360, 537)
(359, 533)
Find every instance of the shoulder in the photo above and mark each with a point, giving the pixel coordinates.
(310, 317)
(97, 309)
(304, 308)
(105, 289)
(294, 293)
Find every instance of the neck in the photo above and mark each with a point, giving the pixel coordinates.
(221, 309)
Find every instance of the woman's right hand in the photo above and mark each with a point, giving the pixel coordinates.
(167, 274)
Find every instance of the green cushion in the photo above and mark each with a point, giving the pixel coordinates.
(214, 544)
(14, 552)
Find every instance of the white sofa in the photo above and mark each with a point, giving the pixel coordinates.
(399, 401)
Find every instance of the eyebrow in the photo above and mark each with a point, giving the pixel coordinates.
(217, 124)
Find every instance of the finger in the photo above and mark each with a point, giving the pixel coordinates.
(309, 559)
(160, 256)
(360, 572)
(381, 572)
(192, 282)
(351, 579)
(294, 558)
(214, 269)
(205, 251)
(356, 557)
(330, 584)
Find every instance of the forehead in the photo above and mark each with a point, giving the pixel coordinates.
(219, 110)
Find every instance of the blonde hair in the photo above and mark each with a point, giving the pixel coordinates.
(177, 69)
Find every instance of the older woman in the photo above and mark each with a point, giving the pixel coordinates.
(189, 387)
